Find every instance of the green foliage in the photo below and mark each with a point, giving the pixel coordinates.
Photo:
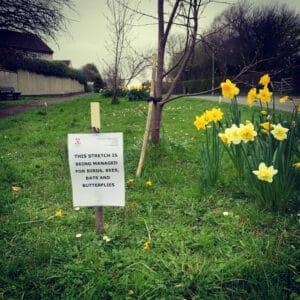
(39, 66)
(98, 84)
(108, 93)
(213, 245)
(137, 93)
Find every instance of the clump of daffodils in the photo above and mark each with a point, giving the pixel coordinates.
(263, 150)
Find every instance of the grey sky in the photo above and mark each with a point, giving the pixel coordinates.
(87, 34)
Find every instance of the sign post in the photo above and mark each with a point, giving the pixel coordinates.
(97, 168)
(96, 125)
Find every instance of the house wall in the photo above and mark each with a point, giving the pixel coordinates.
(36, 84)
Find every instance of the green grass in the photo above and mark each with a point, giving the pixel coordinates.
(196, 252)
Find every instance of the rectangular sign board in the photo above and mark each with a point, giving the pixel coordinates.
(97, 169)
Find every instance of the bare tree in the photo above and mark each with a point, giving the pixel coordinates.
(44, 18)
(127, 63)
(184, 13)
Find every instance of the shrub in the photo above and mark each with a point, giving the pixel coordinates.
(138, 93)
(39, 66)
(135, 93)
(98, 84)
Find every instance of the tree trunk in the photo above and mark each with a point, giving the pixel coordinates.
(156, 123)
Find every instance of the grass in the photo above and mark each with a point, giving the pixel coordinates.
(196, 251)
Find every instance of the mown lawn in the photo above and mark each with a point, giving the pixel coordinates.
(209, 243)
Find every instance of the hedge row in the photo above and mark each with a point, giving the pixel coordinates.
(44, 67)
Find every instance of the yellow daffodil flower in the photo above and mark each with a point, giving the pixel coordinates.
(266, 126)
(283, 99)
(279, 132)
(229, 89)
(265, 80)
(214, 115)
(148, 183)
(200, 122)
(224, 137)
(265, 173)
(297, 165)
(233, 134)
(247, 132)
(264, 95)
(251, 96)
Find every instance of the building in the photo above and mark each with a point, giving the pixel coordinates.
(27, 44)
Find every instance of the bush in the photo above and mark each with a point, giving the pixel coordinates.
(138, 93)
(135, 93)
(98, 84)
(39, 66)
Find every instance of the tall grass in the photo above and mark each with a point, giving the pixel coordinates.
(204, 245)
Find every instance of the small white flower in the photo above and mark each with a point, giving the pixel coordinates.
(225, 213)
(106, 238)
(77, 208)
(78, 235)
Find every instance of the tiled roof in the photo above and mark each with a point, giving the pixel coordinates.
(23, 41)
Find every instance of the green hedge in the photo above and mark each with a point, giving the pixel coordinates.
(39, 66)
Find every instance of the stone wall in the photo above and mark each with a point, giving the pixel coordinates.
(36, 84)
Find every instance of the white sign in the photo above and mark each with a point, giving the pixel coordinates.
(97, 169)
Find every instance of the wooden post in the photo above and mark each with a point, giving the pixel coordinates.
(95, 124)
(149, 120)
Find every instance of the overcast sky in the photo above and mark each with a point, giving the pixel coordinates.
(87, 35)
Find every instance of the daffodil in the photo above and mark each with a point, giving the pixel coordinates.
(247, 132)
(265, 80)
(265, 173)
(229, 89)
(224, 137)
(279, 132)
(214, 115)
(148, 183)
(283, 99)
(251, 96)
(200, 122)
(266, 126)
(233, 134)
(264, 95)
